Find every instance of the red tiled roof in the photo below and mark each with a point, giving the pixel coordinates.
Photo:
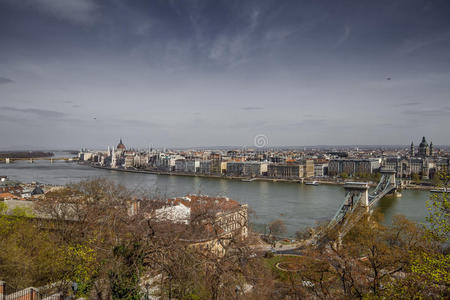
(8, 195)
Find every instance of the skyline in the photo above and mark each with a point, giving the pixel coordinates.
(199, 73)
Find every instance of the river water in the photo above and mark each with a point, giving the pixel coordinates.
(298, 205)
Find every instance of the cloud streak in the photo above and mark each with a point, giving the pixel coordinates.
(76, 11)
(252, 108)
(442, 112)
(4, 80)
(344, 37)
(42, 113)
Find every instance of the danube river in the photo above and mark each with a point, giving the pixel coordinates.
(298, 205)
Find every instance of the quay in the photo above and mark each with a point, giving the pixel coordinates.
(240, 178)
(251, 179)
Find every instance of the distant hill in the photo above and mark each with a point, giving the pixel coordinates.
(25, 154)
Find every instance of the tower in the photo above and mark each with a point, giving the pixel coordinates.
(412, 149)
(431, 148)
(113, 158)
(120, 146)
(424, 149)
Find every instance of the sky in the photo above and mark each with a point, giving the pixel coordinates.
(186, 73)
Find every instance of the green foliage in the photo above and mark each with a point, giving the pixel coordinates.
(430, 266)
(124, 277)
(24, 212)
(434, 266)
(125, 286)
(415, 177)
(28, 256)
(343, 175)
(82, 260)
(436, 180)
(3, 208)
(439, 214)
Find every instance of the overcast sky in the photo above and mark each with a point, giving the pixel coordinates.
(200, 73)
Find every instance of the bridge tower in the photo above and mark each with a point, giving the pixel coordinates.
(389, 176)
(356, 195)
(358, 191)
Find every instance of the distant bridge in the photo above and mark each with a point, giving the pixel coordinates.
(8, 160)
(358, 202)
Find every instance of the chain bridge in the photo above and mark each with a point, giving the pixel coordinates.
(357, 202)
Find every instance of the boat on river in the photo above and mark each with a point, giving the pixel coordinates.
(312, 183)
(443, 190)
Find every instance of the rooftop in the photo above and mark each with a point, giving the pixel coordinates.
(201, 202)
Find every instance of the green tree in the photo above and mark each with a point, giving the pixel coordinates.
(29, 256)
(415, 177)
(436, 180)
(439, 213)
(429, 272)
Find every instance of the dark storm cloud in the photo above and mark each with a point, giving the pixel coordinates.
(4, 80)
(42, 113)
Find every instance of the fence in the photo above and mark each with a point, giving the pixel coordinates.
(9, 293)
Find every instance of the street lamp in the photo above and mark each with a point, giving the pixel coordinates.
(147, 288)
(74, 288)
(237, 290)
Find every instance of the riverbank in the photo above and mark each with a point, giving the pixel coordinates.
(248, 179)
(299, 206)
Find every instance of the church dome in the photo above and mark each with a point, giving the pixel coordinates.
(121, 145)
(423, 143)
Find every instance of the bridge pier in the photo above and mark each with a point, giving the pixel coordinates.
(7, 160)
(394, 194)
